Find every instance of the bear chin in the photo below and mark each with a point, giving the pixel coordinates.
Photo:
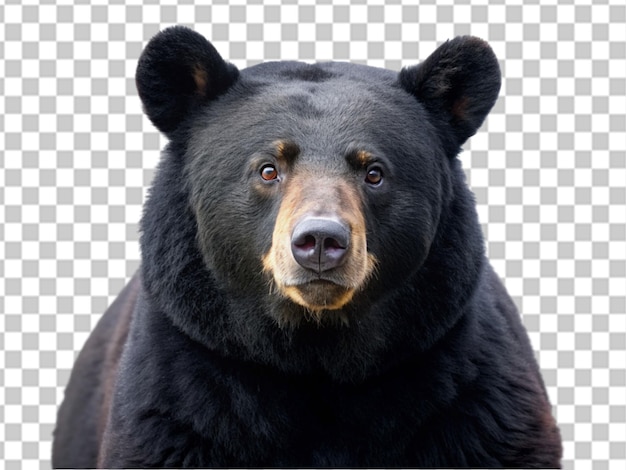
(319, 295)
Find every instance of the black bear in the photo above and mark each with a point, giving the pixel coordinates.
(314, 289)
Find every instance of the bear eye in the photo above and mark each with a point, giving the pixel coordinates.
(269, 172)
(374, 176)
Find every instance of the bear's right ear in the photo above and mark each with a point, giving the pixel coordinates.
(178, 70)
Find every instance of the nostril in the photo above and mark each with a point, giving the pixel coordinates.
(307, 242)
(333, 244)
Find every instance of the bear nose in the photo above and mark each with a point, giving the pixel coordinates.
(320, 244)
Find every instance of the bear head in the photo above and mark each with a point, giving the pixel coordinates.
(298, 205)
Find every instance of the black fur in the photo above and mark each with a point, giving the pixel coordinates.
(458, 84)
(431, 367)
(165, 76)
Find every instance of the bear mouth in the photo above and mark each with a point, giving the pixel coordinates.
(319, 294)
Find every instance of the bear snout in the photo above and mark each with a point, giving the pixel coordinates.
(320, 244)
(318, 258)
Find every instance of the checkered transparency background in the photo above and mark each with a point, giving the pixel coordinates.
(548, 170)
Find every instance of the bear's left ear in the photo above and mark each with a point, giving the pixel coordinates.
(178, 70)
(458, 84)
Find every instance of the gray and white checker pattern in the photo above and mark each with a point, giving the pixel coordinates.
(548, 170)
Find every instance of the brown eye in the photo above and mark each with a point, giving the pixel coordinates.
(374, 176)
(269, 173)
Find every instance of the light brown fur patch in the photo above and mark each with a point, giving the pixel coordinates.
(306, 195)
(286, 150)
(201, 79)
(363, 157)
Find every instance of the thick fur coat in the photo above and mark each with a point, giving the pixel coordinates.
(314, 289)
